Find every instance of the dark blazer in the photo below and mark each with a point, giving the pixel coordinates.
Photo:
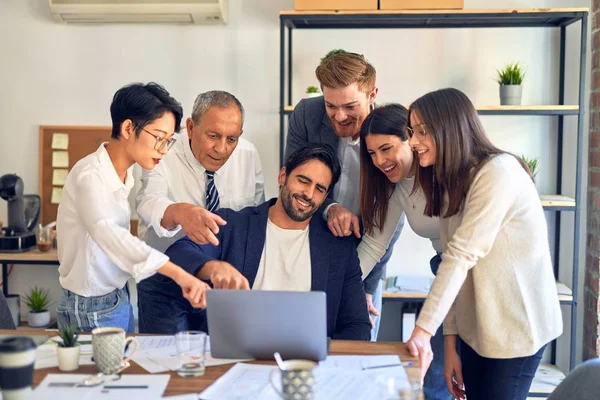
(334, 264)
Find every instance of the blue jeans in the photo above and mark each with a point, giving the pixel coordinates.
(163, 310)
(377, 303)
(434, 384)
(88, 313)
(497, 379)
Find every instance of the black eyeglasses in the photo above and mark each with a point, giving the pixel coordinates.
(161, 142)
(419, 129)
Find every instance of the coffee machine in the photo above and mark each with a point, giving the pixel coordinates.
(23, 215)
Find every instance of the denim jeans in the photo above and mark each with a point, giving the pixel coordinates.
(88, 313)
(497, 379)
(377, 303)
(434, 384)
(162, 308)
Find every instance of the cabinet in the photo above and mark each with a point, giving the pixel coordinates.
(560, 19)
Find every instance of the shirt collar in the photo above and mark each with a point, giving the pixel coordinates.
(109, 173)
(191, 159)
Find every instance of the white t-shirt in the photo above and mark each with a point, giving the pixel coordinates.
(285, 261)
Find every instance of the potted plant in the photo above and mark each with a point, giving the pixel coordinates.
(532, 163)
(332, 52)
(312, 91)
(37, 301)
(68, 351)
(510, 80)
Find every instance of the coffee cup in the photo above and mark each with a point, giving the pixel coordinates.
(17, 357)
(108, 346)
(297, 379)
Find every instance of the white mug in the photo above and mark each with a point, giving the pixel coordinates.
(108, 345)
(297, 380)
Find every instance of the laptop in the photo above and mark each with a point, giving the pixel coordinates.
(255, 324)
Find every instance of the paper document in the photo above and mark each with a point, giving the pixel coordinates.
(60, 159)
(407, 283)
(56, 195)
(249, 381)
(193, 396)
(45, 354)
(130, 387)
(60, 141)
(59, 176)
(159, 354)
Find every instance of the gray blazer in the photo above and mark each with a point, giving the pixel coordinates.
(309, 123)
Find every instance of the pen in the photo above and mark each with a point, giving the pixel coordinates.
(403, 364)
(125, 387)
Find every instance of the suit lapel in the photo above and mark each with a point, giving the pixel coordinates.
(257, 233)
(327, 135)
(319, 254)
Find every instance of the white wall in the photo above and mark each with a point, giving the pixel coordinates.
(66, 74)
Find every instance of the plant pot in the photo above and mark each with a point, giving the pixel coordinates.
(39, 319)
(68, 358)
(510, 95)
(309, 95)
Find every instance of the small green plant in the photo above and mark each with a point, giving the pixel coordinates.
(37, 300)
(533, 163)
(69, 335)
(512, 74)
(312, 89)
(332, 52)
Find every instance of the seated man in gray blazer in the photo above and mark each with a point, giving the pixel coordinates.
(348, 84)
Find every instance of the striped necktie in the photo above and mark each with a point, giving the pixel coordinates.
(212, 195)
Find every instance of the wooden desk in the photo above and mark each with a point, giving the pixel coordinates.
(178, 385)
(33, 256)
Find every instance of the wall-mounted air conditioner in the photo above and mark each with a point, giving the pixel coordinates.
(171, 11)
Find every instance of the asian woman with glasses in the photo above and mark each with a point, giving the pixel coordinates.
(96, 251)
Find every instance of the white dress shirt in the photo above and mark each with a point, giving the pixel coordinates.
(346, 190)
(285, 261)
(180, 178)
(96, 250)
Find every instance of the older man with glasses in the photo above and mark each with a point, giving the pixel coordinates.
(214, 168)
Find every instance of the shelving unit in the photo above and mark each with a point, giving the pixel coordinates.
(548, 374)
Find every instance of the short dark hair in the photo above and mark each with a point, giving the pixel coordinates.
(315, 151)
(142, 104)
(375, 188)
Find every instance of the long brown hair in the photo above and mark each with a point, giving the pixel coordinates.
(462, 148)
(375, 188)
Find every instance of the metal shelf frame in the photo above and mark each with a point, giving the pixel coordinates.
(527, 18)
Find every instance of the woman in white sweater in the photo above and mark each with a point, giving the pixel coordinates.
(386, 189)
(495, 290)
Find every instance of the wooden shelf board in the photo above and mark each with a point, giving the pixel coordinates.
(556, 200)
(467, 11)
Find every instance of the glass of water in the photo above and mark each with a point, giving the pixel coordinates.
(398, 388)
(191, 347)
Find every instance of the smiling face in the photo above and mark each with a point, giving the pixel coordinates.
(304, 189)
(390, 154)
(215, 136)
(142, 148)
(347, 108)
(421, 141)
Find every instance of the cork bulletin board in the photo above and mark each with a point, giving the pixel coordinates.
(60, 148)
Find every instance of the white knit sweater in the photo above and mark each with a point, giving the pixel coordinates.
(495, 285)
